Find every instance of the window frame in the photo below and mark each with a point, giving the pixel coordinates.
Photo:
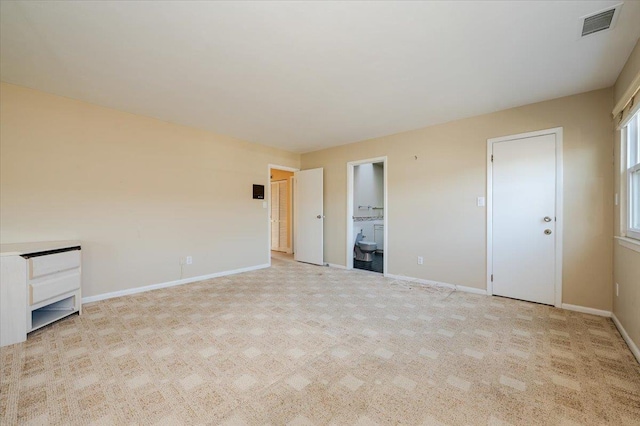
(631, 167)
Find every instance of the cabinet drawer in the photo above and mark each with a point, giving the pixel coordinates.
(52, 263)
(53, 287)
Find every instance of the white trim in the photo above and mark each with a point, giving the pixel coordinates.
(290, 222)
(632, 345)
(438, 284)
(335, 265)
(623, 182)
(284, 168)
(632, 89)
(629, 171)
(629, 115)
(136, 290)
(473, 290)
(385, 219)
(585, 310)
(630, 243)
(558, 132)
(489, 218)
(267, 197)
(559, 211)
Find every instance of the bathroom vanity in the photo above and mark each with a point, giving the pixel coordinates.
(39, 283)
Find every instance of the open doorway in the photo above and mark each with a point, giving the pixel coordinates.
(367, 215)
(280, 212)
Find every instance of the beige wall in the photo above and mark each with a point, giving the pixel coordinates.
(628, 73)
(432, 199)
(276, 175)
(140, 193)
(626, 306)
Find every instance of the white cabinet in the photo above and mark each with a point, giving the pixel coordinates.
(39, 283)
(378, 236)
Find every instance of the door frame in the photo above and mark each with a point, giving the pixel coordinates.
(350, 182)
(557, 131)
(268, 204)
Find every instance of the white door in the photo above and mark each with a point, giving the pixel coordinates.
(309, 217)
(279, 224)
(524, 218)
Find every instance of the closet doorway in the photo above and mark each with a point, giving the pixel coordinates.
(280, 211)
(280, 199)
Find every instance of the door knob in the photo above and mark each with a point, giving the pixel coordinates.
(320, 216)
(547, 232)
(547, 219)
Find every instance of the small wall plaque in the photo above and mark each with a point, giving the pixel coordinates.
(258, 192)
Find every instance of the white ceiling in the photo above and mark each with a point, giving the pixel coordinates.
(308, 75)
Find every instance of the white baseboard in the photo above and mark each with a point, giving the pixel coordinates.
(585, 310)
(634, 348)
(335, 265)
(471, 290)
(438, 283)
(170, 284)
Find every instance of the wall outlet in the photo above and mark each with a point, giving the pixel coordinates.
(617, 289)
(189, 260)
(420, 260)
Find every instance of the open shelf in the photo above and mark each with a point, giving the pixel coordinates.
(53, 312)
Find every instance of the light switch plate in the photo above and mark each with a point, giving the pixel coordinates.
(480, 201)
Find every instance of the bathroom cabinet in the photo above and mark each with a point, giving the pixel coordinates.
(40, 283)
(378, 237)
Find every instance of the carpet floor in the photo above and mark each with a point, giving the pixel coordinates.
(298, 344)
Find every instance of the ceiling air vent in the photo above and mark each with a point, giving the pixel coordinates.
(600, 21)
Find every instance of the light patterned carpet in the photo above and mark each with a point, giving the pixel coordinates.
(299, 344)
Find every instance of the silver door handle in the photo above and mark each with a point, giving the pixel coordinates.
(547, 219)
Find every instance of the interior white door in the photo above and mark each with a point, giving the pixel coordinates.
(524, 218)
(309, 217)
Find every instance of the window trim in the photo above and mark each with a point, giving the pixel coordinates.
(628, 171)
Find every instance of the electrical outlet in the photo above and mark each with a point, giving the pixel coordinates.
(189, 260)
(617, 289)
(420, 260)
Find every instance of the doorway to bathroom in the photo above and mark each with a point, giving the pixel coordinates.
(367, 215)
(279, 202)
